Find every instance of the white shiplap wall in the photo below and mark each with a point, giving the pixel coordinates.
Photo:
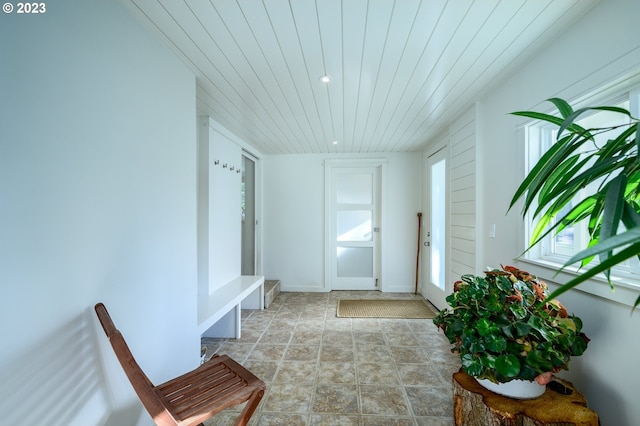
(462, 151)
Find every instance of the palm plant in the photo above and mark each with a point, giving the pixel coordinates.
(566, 168)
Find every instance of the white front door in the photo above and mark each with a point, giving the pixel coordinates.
(354, 228)
(435, 230)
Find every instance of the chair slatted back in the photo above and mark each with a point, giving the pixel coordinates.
(139, 380)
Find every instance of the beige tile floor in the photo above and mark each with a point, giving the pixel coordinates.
(324, 370)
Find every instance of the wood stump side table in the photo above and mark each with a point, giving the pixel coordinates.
(560, 405)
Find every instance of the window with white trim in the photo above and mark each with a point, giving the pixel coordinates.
(558, 248)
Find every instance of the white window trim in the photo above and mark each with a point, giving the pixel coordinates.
(624, 292)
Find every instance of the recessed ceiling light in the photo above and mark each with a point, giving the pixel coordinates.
(325, 79)
(335, 142)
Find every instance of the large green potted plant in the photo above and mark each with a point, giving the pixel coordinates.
(558, 177)
(506, 329)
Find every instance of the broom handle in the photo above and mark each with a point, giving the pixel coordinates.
(418, 255)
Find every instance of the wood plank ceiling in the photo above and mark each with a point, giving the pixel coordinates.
(400, 69)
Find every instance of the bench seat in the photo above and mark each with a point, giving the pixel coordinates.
(219, 312)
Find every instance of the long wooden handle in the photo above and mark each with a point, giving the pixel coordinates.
(418, 254)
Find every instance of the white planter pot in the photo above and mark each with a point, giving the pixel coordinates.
(518, 389)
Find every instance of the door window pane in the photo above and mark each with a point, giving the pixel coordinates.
(354, 225)
(354, 188)
(355, 261)
(438, 203)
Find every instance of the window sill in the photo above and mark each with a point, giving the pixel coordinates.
(625, 291)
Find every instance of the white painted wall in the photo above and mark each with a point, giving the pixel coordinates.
(602, 47)
(97, 203)
(293, 220)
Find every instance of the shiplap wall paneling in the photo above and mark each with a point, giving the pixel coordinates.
(463, 195)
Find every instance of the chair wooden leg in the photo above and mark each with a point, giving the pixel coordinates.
(251, 406)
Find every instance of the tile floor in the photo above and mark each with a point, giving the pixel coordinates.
(324, 370)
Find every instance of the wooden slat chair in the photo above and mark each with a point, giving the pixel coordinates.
(193, 397)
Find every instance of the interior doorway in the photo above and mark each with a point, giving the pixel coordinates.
(353, 224)
(248, 215)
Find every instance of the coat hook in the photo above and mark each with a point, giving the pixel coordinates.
(232, 168)
(225, 165)
(216, 162)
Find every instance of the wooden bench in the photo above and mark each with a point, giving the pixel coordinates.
(219, 313)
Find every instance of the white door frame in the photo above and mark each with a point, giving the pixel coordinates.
(252, 216)
(329, 165)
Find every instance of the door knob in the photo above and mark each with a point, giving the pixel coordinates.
(427, 243)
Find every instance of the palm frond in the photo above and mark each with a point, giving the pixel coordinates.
(610, 174)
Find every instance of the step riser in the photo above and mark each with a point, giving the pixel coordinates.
(271, 291)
